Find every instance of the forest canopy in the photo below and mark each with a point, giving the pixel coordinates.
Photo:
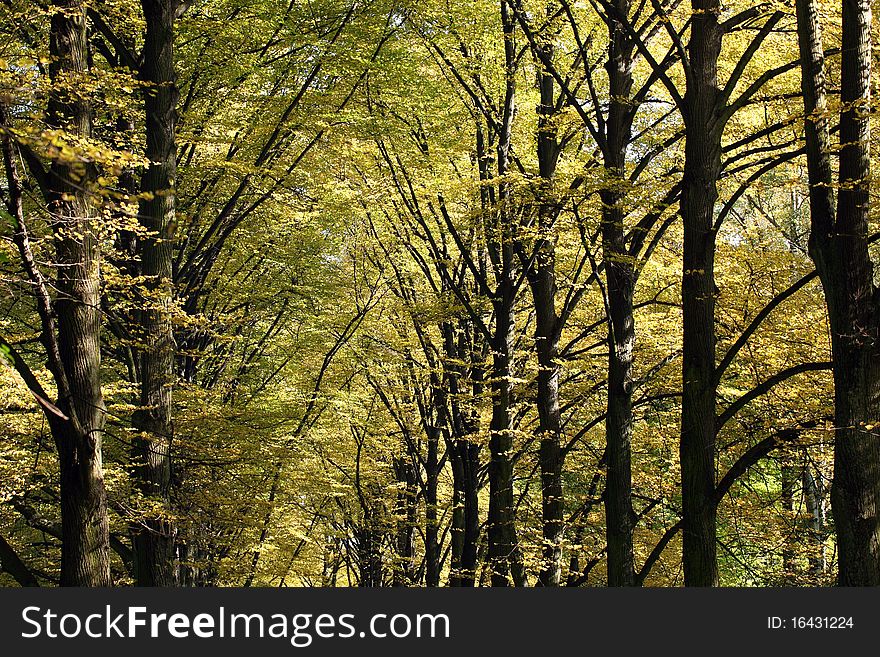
(438, 293)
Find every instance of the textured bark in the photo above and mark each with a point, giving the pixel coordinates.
(542, 281)
(85, 546)
(153, 535)
(620, 277)
(855, 489)
(699, 192)
(839, 247)
(505, 558)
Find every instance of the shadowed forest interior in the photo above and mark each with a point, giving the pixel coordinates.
(438, 293)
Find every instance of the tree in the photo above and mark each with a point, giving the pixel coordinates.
(839, 247)
(154, 534)
(370, 279)
(71, 320)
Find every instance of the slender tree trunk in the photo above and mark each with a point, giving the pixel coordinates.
(466, 512)
(788, 477)
(699, 192)
(619, 514)
(432, 478)
(369, 554)
(85, 546)
(456, 534)
(464, 454)
(504, 557)
(405, 513)
(620, 276)
(551, 458)
(815, 521)
(154, 534)
(542, 280)
(839, 247)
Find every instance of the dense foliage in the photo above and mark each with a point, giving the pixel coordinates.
(422, 293)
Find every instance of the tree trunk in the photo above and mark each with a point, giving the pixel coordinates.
(620, 276)
(699, 192)
(855, 488)
(432, 542)
(504, 557)
(369, 553)
(85, 559)
(788, 477)
(405, 513)
(464, 453)
(465, 459)
(815, 521)
(542, 280)
(153, 535)
(839, 247)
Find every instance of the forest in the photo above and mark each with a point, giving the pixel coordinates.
(423, 293)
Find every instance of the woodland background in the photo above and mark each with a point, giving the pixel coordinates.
(438, 292)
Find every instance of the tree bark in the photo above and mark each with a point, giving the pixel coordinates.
(699, 192)
(153, 535)
(405, 514)
(85, 559)
(505, 558)
(465, 458)
(815, 522)
(788, 477)
(542, 281)
(839, 247)
(620, 277)
(464, 454)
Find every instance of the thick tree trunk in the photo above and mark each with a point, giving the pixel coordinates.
(154, 534)
(620, 277)
(699, 192)
(839, 247)
(854, 316)
(85, 546)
